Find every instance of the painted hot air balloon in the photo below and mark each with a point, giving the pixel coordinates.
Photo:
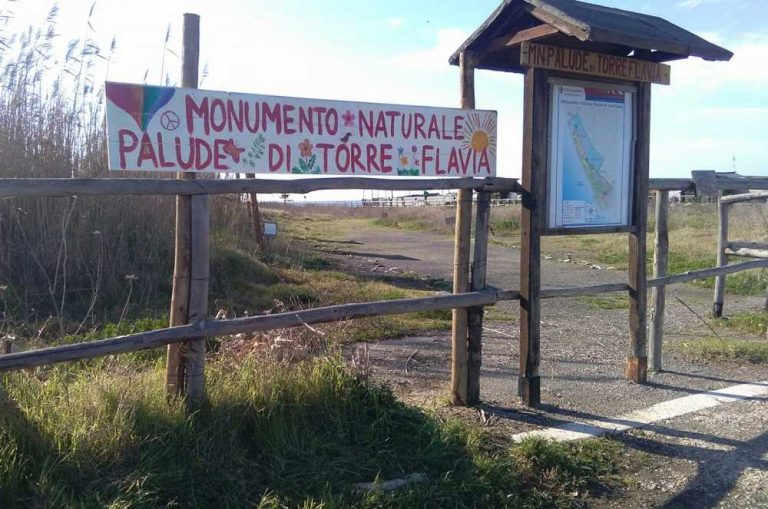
(141, 102)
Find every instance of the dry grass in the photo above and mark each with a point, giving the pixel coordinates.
(82, 261)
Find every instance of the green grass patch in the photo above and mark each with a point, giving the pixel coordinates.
(754, 322)
(718, 349)
(606, 301)
(506, 225)
(272, 435)
(750, 282)
(112, 329)
(240, 282)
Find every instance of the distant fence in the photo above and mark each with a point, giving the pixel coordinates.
(725, 247)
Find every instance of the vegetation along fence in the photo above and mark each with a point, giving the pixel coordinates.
(467, 350)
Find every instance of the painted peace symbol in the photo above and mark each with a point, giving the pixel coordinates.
(169, 120)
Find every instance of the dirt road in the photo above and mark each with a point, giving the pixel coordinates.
(582, 370)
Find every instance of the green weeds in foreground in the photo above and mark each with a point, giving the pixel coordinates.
(755, 322)
(272, 435)
(720, 349)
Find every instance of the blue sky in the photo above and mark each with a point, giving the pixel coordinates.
(396, 51)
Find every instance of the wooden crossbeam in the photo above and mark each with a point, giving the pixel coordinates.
(529, 34)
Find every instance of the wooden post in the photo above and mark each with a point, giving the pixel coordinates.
(475, 317)
(255, 213)
(535, 118)
(658, 294)
(722, 258)
(459, 368)
(185, 362)
(194, 359)
(459, 326)
(637, 361)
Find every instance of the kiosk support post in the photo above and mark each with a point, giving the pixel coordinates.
(535, 115)
(637, 361)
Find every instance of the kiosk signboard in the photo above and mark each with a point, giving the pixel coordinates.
(590, 159)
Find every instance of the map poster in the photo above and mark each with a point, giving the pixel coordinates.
(590, 156)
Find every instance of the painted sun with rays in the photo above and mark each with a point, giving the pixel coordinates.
(480, 133)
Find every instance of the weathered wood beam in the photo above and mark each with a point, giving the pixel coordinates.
(577, 291)
(535, 151)
(211, 328)
(722, 259)
(528, 34)
(747, 252)
(194, 350)
(587, 230)
(745, 197)
(705, 273)
(561, 22)
(637, 359)
(462, 242)
(748, 245)
(187, 232)
(658, 294)
(666, 56)
(708, 182)
(664, 184)
(62, 187)
(478, 281)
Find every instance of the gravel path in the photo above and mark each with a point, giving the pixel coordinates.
(712, 458)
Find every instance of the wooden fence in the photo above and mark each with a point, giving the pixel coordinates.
(711, 183)
(471, 295)
(196, 326)
(725, 247)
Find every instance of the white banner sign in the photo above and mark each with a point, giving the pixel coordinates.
(175, 129)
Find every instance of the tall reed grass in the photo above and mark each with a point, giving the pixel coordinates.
(74, 262)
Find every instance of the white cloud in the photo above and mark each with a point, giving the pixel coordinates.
(692, 4)
(436, 57)
(745, 68)
(395, 23)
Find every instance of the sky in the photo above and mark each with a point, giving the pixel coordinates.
(713, 116)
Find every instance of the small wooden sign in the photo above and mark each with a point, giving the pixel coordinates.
(593, 64)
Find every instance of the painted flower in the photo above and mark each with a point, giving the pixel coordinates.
(416, 161)
(306, 148)
(349, 119)
(400, 150)
(414, 149)
(403, 160)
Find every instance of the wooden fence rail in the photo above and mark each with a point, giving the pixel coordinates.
(211, 328)
(61, 187)
(745, 197)
(705, 273)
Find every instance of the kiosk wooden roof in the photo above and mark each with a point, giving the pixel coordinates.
(580, 25)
